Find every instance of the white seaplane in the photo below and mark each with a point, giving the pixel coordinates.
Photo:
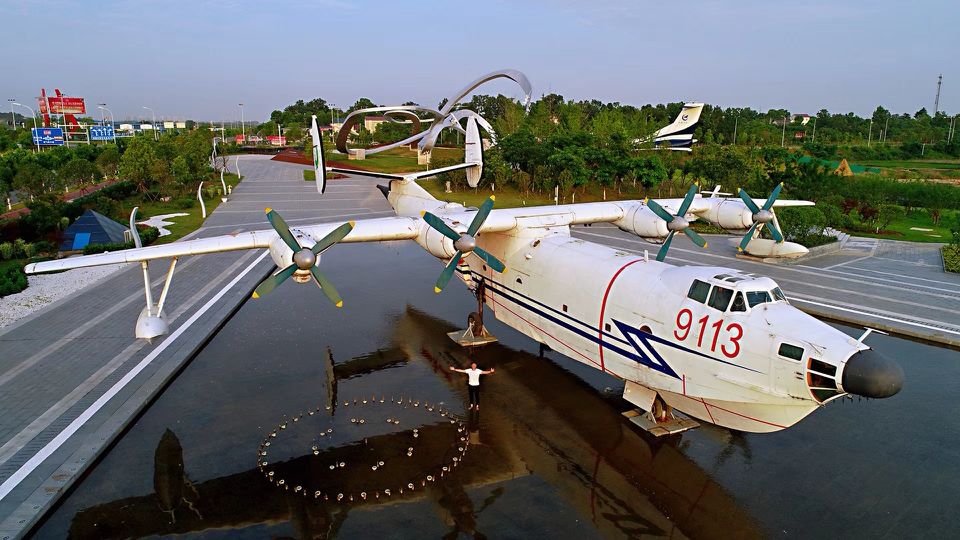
(717, 344)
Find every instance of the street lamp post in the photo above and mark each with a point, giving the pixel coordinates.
(886, 126)
(154, 125)
(814, 129)
(34, 115)
(735, 122)
(243, 126)
(783, 134)
(13, 112)
(870, 133)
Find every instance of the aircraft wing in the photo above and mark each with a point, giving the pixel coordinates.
(367, 230)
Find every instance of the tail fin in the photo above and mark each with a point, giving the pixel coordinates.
(679, 134)
(319, 161)
(473, 153)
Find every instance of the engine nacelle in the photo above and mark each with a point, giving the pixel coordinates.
(730, 214)
(642, 222)
(283, 257)
(435, 243)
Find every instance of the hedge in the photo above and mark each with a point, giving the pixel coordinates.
(147, 236)
(12, 278)
(951, 258)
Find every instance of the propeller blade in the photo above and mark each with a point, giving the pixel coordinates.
(447, 272)
(774, 232)
(773, 197)
(327, 287)
(659, 210)
(272, 281)
(666, 246)
(490, 259)
(697, 239)
(481, 216)
(441, 226)
(747, 238)
(687, 200)
(333, 237)
(749, 202)
(282, 229)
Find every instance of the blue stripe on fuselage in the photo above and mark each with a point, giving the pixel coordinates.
(594, 335)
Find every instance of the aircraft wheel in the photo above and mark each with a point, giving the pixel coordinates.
(660, 410)
(474, 323)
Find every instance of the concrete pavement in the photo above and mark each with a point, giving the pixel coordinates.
(72, 375)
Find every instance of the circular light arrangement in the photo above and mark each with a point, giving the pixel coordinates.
(454, 456)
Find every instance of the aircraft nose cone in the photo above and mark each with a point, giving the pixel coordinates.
(870, 374)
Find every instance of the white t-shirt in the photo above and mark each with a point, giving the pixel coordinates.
(473, 376)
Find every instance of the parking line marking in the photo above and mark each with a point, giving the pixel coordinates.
(11, 483)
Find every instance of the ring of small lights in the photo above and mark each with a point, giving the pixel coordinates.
(432, 475)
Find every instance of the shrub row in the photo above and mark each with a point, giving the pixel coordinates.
(147, 236)
(12, 279)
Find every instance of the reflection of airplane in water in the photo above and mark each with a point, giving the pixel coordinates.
(622, 481)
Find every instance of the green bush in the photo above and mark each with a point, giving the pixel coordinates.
(951, 258)
(12, 278)
(6, 251)
(186, 203)
(19, 248)
(147, 236)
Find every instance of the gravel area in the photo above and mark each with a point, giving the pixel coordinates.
(45, 289)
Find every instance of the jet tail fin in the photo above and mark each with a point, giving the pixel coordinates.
(679, 134)
(319, 161)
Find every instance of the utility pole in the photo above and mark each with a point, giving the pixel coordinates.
(814, 129)
(886, 126)
(936, 102)
(243, 126)
(783, 134)
(13, 112)
(735, 122)
(870, 133)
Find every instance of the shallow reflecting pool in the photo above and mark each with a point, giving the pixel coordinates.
(548, 455)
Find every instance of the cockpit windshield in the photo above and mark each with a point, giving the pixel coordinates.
(719, 298)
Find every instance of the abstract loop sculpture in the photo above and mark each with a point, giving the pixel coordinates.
(441, 119)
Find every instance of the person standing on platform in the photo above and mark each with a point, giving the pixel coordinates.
(473, 382)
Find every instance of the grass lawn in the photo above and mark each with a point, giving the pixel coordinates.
(911, 164)
(309, 175)
(182, 225)
(510, 198)
(392, 161)
(920, 219)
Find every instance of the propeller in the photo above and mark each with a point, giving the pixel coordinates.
(303, 258)
(761, 216)
(676, 223)
(464, 243)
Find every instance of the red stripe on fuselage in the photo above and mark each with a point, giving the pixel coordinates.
(603, 307)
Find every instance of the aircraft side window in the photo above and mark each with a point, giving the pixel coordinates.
(720, 298)
(778, 295)
(755, 298)
(698, 291)
(738, 303)
(790, 351)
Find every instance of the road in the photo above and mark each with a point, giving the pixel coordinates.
(72, 375)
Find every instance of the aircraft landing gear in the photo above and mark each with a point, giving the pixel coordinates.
(475, 334)
(659, 420)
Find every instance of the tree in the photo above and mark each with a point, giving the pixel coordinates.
(79, 171)
(362, 103)
(109, 161)
(887, 214)
(32, 179)
(139, 163)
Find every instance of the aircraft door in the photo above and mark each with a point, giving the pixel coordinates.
(787, 364)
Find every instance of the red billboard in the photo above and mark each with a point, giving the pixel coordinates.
(63, 105)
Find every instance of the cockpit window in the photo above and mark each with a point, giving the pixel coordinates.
(720, 298)
(738, 303)
(698, 291)
(755, 298)
(790, 351)
(778, 295)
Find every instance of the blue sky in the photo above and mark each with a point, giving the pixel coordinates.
(199, 59)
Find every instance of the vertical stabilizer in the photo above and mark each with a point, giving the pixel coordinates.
(319, 162)
(679, 134)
